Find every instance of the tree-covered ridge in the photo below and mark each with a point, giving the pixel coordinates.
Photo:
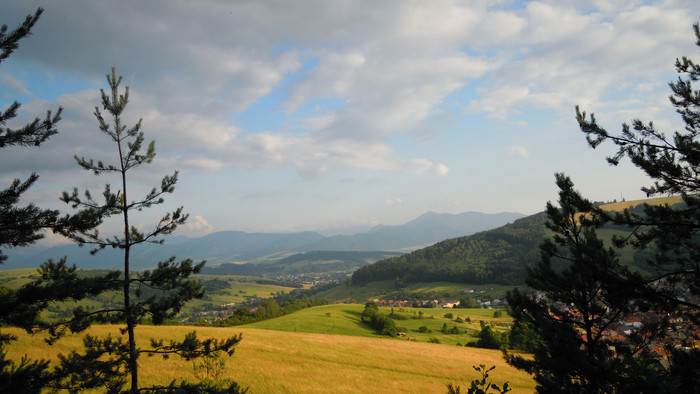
(496, 256)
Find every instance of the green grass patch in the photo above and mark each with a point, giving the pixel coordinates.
(344, 319)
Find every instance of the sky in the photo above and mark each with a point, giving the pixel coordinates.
(336, 116)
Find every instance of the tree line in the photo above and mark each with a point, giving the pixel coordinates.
(269, 309)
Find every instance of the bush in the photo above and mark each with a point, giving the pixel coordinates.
(449, 315)
(488, 339)
(383, 324)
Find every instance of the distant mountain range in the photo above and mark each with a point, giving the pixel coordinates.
(236, 246)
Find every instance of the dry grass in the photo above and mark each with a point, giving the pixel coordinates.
(622, 205)
(285, 362)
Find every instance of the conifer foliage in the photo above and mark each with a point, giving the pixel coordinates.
(22, 225)
(585, 296)
(153, 295)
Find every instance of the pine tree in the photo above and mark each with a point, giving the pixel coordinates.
(24, 225)
(674, 164)
(156, 294)
(583, 289)
(670, 232)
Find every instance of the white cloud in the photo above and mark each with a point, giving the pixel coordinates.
(518, 151)
(393, 202)
(441, 169)
(198, 225)
(14, 84)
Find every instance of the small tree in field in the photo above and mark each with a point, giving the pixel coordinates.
(156, 294)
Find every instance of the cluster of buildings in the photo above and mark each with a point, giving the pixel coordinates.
(682, 333)
(313, 279)
(682, 330)
(484, 303)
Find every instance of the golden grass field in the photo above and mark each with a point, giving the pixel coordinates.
(622, 205)
(268, 361)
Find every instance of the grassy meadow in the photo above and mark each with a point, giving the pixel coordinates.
(345, 320)
(17, 277)
(269, 361)
(240, 287)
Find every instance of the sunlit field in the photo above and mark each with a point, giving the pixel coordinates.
(269, 361)
(345, 320)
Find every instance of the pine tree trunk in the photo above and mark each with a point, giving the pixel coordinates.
(130, 323)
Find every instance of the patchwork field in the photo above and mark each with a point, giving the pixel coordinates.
(221, 289)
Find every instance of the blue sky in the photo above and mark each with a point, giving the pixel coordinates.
(335, 116)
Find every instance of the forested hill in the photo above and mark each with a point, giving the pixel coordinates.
(495, 256)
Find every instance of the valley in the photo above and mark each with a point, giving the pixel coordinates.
(310, 346)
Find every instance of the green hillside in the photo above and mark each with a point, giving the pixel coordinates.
(498, 256)
(494, 256)
(344, 319)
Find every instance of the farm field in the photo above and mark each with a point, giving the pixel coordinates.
(221, 289)
(345, 320)
(269, 361)
(17, 277)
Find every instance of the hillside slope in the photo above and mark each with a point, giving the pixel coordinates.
(268, 361)
(498, 256)
(494, 256)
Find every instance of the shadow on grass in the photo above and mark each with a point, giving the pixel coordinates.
(356, 318)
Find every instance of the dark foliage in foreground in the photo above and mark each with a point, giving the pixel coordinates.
(583, 290)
